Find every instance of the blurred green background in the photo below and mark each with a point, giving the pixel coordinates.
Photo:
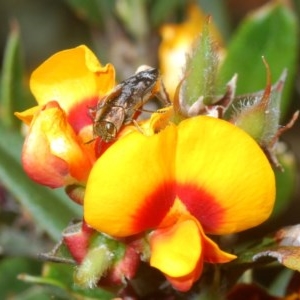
(48, 26)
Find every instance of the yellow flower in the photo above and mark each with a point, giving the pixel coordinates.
(204, 176)
(56, 152)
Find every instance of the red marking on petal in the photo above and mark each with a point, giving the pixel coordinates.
(155, 207)
(202, 205)
(50, 104)
(51, 174)
(79, 116)
(101, 146)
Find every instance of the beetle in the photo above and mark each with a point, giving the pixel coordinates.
(118, 108)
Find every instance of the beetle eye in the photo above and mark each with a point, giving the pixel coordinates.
(107, 131)
(110, 129)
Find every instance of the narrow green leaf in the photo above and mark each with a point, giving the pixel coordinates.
(51, 210)
(37, 293)
(11, 85)
(14, 242)
(59, 277)
(9, 270)
(95, 12)
(285, 181)
(281, 283)
(133, 13)
(161, 10)
(270, 32)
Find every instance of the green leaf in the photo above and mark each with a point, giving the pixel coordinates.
(9, 270)
(51, 209)
(160, 10)
(14, 242)
(59, 278)
(285, 180)
(95, 12)
(12, 89)
(37, 293)
(281, 282)
(133, 14)
(270, 32)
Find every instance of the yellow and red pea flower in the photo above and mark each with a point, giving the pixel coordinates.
(56, 152)
(204, 176)
(196, 178)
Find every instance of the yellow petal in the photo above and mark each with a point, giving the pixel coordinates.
(71, 77)
(169, 251)
(130, 186)
(223, 177)
(27, 115)
(212, 253)
(52, 154)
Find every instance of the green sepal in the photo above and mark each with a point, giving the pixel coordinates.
(259, 113)
(201, 70)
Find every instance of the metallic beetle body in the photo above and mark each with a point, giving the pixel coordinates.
(120, 105)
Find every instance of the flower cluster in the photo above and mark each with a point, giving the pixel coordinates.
(160, 189)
